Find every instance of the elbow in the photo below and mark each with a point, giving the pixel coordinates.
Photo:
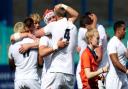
(77, 14)
(39, 33)
(42, 54)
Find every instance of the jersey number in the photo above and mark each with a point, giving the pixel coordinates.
(26, 54)
(67, 34)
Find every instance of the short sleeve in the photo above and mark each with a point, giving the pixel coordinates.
(102, 33)
(43, 41)
(47, 28)
(85, 60)
(112, 48)
(81, 38)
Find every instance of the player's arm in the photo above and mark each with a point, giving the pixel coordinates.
(26, 46)
(126, 53)
(45, 50)
(86, 62)
(73, 14)
(91, 74)
(18, 36)
(117, 64)
(39, 33)
(99, 53)
(40, 61)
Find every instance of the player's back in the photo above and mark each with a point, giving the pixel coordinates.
(26, 64)
(62, 60)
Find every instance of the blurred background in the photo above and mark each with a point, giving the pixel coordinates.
(12, 11)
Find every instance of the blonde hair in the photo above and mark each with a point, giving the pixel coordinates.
(36, 17)
(19, 27)
(89, 35)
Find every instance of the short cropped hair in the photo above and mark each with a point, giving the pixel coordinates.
(89, 34)
(118, 24)
(19, 27)
(85, 20)
(36, 17)
(61, 12)
(28, 22)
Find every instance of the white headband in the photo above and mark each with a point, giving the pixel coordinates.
(48, 15)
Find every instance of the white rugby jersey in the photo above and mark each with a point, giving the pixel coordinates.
(103, 42)
(26, 64)
(62, 60)
(116, 46)
(81, 39)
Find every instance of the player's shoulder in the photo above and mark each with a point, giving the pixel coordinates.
(113, 40)
(100, 27)
(27, 40)
(44, 38)
(82, 30)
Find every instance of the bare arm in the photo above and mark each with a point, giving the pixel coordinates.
(99, 52)
(45, 50)
(72, 12)
(116, 62)
(39, 33)
(17, 36)
(40, 61)
(26, 46)
(90, 74)
(126, 53)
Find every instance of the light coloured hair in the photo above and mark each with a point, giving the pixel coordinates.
(89, 35)
(36, 17)
(19, 27)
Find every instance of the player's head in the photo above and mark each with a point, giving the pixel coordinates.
(29, 24)
(49, 16)
(36, 18)
(85, 21)
(92, 38)
(120, 29)
(19, 27)
(60, 12)
(91, 15)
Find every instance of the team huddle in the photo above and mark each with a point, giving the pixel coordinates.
(42, 57)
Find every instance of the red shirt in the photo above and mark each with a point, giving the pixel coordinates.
(88, 61)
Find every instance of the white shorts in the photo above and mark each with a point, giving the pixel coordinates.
(116, 82)
(57, 81)
(27, 84)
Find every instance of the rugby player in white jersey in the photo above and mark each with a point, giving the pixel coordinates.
(61, 71)
(118, 54)
(26, 64)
